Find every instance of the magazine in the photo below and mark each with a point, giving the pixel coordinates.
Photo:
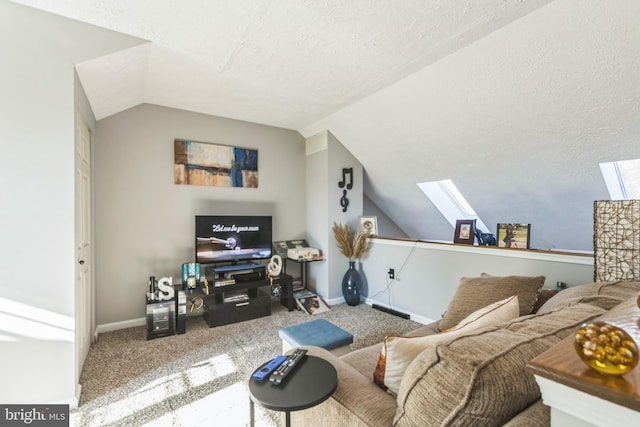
(302, 293)
(312, 304)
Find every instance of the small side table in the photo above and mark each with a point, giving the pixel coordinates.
(310, 383)
(577, 394)
(286, 296)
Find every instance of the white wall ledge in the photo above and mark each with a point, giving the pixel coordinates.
(582, 258)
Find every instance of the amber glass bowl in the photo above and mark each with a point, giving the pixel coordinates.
(606, 348)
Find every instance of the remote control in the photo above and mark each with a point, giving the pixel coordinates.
(268, 368)
(287, 366)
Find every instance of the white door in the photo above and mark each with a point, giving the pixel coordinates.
(84, 241)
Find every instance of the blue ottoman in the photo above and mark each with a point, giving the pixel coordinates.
(319, 333)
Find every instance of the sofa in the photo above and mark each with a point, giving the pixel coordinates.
(474, 378)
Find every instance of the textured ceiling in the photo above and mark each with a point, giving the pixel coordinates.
(516, 101)
(285, 63)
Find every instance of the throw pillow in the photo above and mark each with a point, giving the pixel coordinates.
(474, 293)
(544, 295)
(601, 294)
(398, 352)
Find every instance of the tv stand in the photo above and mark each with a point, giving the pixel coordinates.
(243, 300)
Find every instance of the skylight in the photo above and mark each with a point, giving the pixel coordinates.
(449, 201)
(622, 179)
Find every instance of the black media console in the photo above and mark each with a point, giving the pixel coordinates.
(236, 293)
(249, 297)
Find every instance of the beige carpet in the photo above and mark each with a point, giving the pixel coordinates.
(200, 378)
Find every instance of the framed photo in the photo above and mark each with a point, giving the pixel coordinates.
(514, 235)
(280, 248)
(465, 231)
(368, 223)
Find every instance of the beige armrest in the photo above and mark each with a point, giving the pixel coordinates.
(356, 393)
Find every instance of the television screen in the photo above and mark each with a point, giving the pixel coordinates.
(229, 239)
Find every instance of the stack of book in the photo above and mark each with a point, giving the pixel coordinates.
(297, 285)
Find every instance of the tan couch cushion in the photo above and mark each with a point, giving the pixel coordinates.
(474, 293)
(479, 379)
(399, 351)
(601, 294)
(357, 402)
(544, 295)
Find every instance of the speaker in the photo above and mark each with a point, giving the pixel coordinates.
(161, 319)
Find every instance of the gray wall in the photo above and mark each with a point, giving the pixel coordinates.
(145, 222)
(37, 293)
(427, 274)
(317, 201)
(339, 158)
(519, 120)
(386, 226)
(326, 157)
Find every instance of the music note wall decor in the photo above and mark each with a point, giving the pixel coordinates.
(344, 201)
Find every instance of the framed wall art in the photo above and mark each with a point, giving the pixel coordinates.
(465, 231)
(200, 163)
(514, 235)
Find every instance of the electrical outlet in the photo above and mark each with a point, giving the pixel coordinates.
(391, 273)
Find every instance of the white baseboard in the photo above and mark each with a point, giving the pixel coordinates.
(108, 327)
(334, 301)
(73, 402)
(415, 317)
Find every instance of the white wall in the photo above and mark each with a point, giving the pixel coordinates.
(427, 274)
(38, 50)
(145, 222)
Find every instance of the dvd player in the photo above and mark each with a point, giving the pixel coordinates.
(237, 267)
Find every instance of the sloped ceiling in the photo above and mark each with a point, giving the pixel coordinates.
(516, 101)
(283, 63)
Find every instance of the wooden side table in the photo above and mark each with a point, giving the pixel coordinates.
(311, 382)
(577, 394)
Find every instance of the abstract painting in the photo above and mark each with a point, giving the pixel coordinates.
(199, 163)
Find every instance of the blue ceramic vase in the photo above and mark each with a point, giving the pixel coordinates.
(352, 285)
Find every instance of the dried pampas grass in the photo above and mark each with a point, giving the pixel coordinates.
(352, 245)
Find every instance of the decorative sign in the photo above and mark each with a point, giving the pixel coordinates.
(344, 201)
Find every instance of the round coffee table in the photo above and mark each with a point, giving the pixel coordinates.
(310, 383)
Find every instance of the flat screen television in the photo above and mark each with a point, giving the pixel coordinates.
(232, 239)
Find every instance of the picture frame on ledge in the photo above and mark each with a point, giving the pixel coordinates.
(368, 223)
(514, 235)
(465, 231)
